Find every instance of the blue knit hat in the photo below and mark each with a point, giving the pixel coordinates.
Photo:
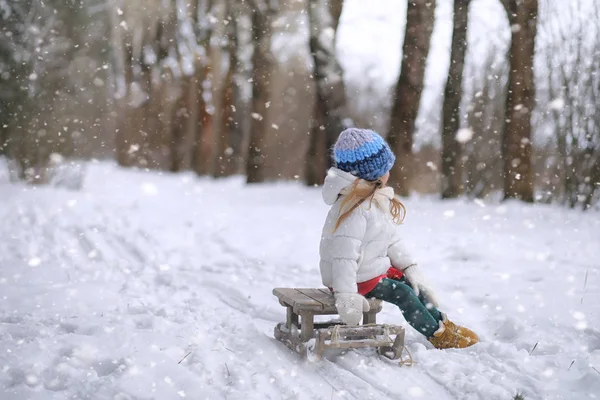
(363, 153)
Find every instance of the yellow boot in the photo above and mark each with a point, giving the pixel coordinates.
(451, 336)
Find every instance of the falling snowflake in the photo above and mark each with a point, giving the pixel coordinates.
(34, 261)
(464, 135)
(449, 213)
(150, 189)
(431, 166)
(416, 391)
(133, 148)
(557, 104)
(56, 158)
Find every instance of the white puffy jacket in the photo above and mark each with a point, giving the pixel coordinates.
(365, 244)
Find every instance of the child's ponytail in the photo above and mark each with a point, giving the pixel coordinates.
(358, 194)
(397, 210)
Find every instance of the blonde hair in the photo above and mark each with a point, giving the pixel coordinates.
(358, 194)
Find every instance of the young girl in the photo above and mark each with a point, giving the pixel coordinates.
(361, 251)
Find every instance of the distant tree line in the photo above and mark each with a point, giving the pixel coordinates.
(189, 84)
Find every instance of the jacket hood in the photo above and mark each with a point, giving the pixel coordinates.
(337, 180)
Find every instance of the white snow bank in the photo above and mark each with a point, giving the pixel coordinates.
(149, 286)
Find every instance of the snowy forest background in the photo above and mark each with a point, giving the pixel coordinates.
(262, 88)
(138, 257)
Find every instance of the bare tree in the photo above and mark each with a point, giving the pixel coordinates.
(202, 146)
(330, 103)
(12, 48)
(520, 101)
(181, 121)
(263, 12)
(452, 180)
(420, 17)
(571, 45)
(154, 54)
(134, 56)
(229, 149)
(3, 140)
(36, 87)
(485, 111)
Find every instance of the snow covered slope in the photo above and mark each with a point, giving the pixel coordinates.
(142, 286)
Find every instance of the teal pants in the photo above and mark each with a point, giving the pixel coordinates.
(417, 310)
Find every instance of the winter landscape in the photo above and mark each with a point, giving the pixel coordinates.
(161, 166)
(148, 286)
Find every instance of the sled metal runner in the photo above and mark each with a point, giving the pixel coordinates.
(307, 338)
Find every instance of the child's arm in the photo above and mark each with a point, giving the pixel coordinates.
(398, 254)
(344, 249)
(402, 261)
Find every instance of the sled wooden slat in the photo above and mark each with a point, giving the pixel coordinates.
(326, 297)
(321, 301)
(327, 300)
(297, 300)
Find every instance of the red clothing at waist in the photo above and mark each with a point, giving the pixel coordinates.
(366, 286)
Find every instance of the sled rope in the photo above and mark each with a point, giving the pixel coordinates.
(408, 362)
(335, 333)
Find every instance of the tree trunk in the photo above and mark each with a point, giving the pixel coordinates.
(452, 182)
(262, 61)
(226, 159)
(38, 83)
(330, 103)
(133, 79)
(122, 76)
(336, 7)
(420, 18)
(520, 101)
(230, 148)
(181, 126)
(202, 147)
(3, 140)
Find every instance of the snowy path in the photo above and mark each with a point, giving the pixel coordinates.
(159, 287)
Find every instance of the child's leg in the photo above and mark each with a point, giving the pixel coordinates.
(435, 313)
(421, 318)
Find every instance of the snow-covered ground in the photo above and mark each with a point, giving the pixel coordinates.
(148, 286)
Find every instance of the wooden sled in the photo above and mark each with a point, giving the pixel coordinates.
(300, 328)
